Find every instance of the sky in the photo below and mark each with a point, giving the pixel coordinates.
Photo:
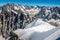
(32, 2)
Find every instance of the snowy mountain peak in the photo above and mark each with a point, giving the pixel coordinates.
(40, 11)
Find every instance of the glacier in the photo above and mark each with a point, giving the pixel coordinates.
(38, 30)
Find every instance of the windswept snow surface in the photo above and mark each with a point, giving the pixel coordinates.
(54, 36)
(39, 22)
(38, 31)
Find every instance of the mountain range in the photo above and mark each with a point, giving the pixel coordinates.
(45, 12)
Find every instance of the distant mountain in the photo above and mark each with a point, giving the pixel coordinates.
(44, 12)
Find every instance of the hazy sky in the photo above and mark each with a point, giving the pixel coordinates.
(32, 2)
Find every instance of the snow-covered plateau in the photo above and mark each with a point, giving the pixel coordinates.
(38, 30)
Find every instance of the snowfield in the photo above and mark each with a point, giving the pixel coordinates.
(39, 22)
(38, 30)
(54, 35)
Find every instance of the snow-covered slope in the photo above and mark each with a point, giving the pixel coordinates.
(38, 22)
(54, 35)
(34, 35)
(40, 32)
